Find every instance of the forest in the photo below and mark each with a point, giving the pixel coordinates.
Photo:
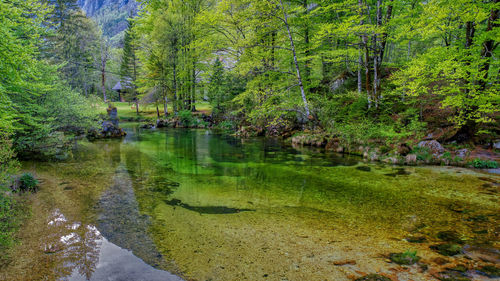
(400, 81)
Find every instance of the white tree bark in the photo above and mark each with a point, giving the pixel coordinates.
(292, 45)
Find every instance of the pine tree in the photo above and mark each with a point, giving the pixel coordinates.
(216, 91)
(128, 68)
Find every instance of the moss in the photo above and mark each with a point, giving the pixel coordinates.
(448, 249)
(373, 277)
(406, 258)
(450, 236)
(490, 271)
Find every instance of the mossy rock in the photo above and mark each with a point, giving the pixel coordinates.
(447, 249)
(452, 275)
(363, 168)
(373, 277)
(450, 236)
(416, 239)
(404, 258)
(459, 268)
(489, 271)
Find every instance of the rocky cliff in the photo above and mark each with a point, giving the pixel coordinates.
(92, 7)
(111, 15)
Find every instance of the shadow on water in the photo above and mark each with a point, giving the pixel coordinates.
(121, 222)
(213, 210)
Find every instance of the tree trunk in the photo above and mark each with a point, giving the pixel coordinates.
(360, 58)
(299, 78)
(489, 45)
(307, 52)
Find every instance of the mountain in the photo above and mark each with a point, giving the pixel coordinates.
(111, 15)
(92, 7)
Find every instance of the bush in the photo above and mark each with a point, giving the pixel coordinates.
(186, 118)
(27, 182)
(423, 154)
(483, 164)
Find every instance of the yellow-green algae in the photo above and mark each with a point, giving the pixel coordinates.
(302, 211)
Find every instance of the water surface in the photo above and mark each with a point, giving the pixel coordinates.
(196, 205)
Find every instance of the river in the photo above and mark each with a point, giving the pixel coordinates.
(180, 204)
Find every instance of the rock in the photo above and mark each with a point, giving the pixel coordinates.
(390, 160)
(449, 236)
(147, 126)
(496, 145)
(344, 262)
(374, 156)
(459, 268)
(482, 254)
(160, 123)
(489, 271)
(406, 258)
(452, 275)
(447, 249)
(113, 115)
(434, 146)
(440, 261)
(403, 149)
(462, 153)
(416, 239)
(411, 159)
(373, 277)
(363, 168)
(108, 130)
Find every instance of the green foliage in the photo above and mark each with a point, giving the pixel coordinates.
(186, 117)
(406, 258)
(483, 164)
(28, 183)
(216, 90)
(423, 154)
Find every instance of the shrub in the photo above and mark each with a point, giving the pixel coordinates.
(28, 183)
(186, 118)
(423, 154)
(483, 164)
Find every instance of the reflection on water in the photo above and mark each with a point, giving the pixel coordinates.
(115, 263)
(214, 207)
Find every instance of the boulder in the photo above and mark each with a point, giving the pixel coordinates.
(403, 149)
(462, 153)
(496, 145)
(108, 130)
(411, 159)
(434, 146)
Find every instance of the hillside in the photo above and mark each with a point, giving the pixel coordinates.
(110, 14)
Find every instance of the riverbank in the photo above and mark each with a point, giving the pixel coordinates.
(410, 153)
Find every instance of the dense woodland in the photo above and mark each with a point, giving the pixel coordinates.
(392, 71)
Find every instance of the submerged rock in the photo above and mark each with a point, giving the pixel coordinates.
(416, 239)
(364, 168)
(406, 258)
(489, 271)
(447, 249)
(482, 253)
(453, 275)
(373, 277)
(449, 236)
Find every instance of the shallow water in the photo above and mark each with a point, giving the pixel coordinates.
(205, 206)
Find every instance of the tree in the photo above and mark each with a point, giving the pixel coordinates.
(216, 89)
(129, 65)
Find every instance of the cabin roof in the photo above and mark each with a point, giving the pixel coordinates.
(118, 86)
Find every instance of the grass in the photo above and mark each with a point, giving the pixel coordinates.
(127, 110)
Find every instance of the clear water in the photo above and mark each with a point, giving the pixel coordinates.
(196, 205)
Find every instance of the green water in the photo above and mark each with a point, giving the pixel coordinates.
(206, 206)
